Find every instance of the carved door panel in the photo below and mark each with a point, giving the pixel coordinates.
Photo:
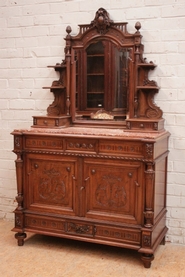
(113, 191)
(49, 184)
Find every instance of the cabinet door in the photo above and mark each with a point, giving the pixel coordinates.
(114, 190)
(49, 184)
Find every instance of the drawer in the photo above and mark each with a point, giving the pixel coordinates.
(81, 145)
(51, 121)
(82, 229)
(144, 125)
(43, 143)
(121, 148)
(44, 223)
(122, 235)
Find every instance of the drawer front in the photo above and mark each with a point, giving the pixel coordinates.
(44, 223)
(81, 145)
(80, 229)
(45, 122)
(122, 235)
(121, 148)
(43, 143)
(52, 122)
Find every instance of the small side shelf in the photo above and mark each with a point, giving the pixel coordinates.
(58, 111)
(148, 88)
(54, 87)
(150, 65)
(57, 67)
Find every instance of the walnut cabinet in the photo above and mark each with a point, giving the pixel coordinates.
(95, 167)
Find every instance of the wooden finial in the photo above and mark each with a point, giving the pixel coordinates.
(138, 26)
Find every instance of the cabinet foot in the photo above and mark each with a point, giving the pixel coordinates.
(20, 238)
(147, 260)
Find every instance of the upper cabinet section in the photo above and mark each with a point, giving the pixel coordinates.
(104, 80)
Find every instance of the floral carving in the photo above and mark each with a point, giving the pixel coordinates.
(17, 221)
(146, 240)
(110, 192)
(79, 228)
(52, 182)
(17, 141)
(149, 150)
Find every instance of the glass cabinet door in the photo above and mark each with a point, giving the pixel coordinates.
(102, 79)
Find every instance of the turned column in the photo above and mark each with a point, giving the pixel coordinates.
(68, 64)
(19, 220)
(147, 252)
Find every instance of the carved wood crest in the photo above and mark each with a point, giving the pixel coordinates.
(101, 21)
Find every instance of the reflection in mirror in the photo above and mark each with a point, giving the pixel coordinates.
(121, 79)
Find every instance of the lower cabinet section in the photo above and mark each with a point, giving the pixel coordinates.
(92, 189)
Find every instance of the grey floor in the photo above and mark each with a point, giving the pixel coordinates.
(43, 256)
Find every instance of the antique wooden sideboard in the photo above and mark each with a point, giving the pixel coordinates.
(95, 167)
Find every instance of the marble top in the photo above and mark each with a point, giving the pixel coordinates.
(87, 131)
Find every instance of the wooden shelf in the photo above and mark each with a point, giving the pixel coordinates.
(54, 87)
(151, 65)
(95, 55)
(148, 87)
(95, 74)
(95, 92)
(57, 66)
